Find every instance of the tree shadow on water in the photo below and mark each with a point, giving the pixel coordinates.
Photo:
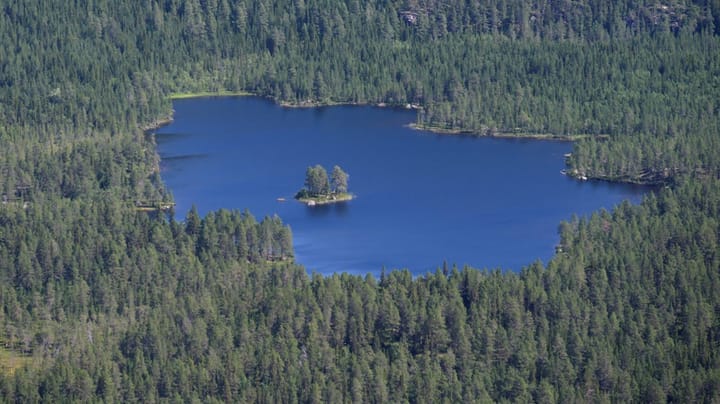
(335, 209)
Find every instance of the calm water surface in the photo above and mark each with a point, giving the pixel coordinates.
(422, 198)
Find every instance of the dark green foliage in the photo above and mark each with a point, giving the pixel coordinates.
(651, 159)
(317, 181)
(632, 70)
(644, 73)
(135, 307)
(119, 305)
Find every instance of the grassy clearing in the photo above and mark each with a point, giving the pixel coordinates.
(11, 361)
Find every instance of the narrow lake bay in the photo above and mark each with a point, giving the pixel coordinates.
(422, 198)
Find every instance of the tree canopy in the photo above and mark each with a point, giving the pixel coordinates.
(318, 184)
(339, 180)
(101, 301)
(317, 181)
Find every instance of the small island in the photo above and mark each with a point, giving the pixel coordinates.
(321, 190)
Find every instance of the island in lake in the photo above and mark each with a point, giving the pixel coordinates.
(320, 189)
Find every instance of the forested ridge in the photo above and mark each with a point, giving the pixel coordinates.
(102, 300)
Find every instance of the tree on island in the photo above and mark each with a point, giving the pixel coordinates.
(316, 181)
(318, 185)
(339, 180)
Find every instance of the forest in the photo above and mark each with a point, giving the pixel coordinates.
(102, 299)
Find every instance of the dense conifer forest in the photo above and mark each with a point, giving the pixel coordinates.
(106, 295)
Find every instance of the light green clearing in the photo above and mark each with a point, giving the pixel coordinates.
(11, 361)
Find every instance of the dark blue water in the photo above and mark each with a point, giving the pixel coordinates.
(422, 198)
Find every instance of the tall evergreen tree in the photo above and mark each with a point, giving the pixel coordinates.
(339, 180)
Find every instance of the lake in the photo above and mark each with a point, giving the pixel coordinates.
(422, 198)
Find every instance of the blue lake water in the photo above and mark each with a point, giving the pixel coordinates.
(422, 198)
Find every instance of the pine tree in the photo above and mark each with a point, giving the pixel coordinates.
(339, 180)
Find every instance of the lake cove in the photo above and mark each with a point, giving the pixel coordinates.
(421, 199)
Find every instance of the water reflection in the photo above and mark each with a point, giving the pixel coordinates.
(338, 209)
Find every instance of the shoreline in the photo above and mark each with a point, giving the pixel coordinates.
(498, 135)
(201, 94)
(157, 124)
(628, 180)
(318, 104)
(309, 103)
(167, 120)
(160, 122)
(326, 199)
